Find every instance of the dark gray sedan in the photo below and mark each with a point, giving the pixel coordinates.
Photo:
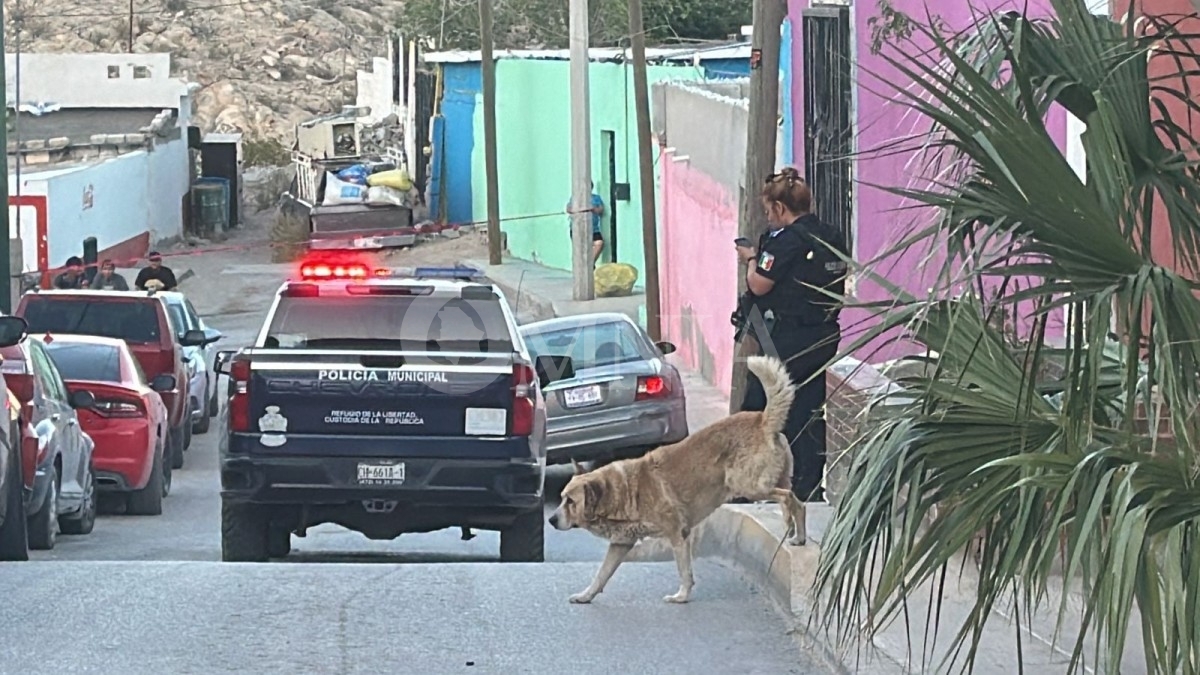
(624, 399)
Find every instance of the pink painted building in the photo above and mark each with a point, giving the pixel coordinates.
(838, 110)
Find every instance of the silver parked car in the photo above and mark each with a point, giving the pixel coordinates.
(624, 398)
(200, 360)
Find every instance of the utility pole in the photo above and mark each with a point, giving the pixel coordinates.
(760, 151)
(583, 286)
(5, 260)
(641, 101)
(488, 65)
(130, 26)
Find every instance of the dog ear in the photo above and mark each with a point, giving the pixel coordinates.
(578, 468)
(593, 495)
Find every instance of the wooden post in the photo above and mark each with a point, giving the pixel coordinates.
(488, 70)
(583, 283)
(760, 152)
(641, 100)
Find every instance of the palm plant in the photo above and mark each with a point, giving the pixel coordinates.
(1040, 448)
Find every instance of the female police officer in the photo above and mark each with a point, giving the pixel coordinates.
(787, 272)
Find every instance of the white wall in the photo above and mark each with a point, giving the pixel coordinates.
(22, 221)
(132, 194)
(82, 80)
(375, 90)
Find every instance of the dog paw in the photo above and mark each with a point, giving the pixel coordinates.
(677, 598)
(580, 598)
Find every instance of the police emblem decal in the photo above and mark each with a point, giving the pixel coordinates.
(273, 425)
(766, 261)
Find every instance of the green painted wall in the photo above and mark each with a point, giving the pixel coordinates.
(533, 138)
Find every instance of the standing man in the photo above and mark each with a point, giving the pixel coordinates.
(108, 279)
(156, 272)
(597, 210)
(72, 277)
(788, 271)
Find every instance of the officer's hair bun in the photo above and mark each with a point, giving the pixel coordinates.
(787, 187)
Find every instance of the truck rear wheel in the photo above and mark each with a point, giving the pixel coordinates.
(245, 535)
(524, 540)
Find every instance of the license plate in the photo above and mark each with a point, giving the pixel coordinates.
(582, 396)
(380, 474)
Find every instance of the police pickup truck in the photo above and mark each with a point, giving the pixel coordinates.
(386, 403)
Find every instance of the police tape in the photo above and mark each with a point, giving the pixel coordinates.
(350, 241)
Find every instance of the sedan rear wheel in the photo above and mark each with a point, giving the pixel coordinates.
(14, 538)
(149, 500)
(84, 521)
(175, 446)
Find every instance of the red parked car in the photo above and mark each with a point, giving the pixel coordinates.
(140, 319)
(128, 421)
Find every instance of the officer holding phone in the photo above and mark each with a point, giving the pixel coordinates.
(792, 272)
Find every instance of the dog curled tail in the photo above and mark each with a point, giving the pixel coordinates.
(780, 389)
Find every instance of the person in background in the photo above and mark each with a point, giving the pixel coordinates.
(793, 279)
(109, 279)
(597, 210)
(156, 272)
(72, 277)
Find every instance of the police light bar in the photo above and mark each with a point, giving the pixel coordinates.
(318, 271)
(460, 272)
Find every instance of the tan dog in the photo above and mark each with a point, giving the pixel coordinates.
(669, 491)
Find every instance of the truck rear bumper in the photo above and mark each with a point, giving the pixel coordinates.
(493, 485)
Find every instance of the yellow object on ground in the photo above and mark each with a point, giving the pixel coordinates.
(615, 280)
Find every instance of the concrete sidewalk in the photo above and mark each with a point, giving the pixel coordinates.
(748, 538)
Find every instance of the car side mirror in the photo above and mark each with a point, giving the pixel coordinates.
(13, 329)
(665, 347)
(163, 382)
(222, 361)
(551, 369)
(212, 335)
(193, 338)
(82, 399)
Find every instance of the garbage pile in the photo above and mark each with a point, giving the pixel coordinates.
(376, 139)
(372, 184)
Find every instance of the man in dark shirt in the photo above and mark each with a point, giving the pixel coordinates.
(72, 277)
(156, 272)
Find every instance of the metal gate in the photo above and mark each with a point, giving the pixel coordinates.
(829, 115)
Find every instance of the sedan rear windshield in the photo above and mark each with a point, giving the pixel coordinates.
(589, 346)
(98, 363)
(420, 323)
(132, 321)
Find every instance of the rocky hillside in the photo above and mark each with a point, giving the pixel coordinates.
(263, 66)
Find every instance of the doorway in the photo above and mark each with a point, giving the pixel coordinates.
(829, 115)
(607, 187)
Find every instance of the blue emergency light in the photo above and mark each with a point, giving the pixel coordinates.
(458, 272)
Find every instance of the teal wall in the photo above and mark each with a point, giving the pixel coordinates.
(533, 138)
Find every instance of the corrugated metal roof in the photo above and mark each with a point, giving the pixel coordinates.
(739, 50)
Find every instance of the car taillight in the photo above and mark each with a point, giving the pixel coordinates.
(113, 407)
(524, 403)
(652, 386)
(239, 402)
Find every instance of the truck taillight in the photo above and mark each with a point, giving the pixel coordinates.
(524, 400)
(652, 386)
(239, 401)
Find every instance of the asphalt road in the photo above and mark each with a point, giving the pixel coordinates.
(148, 594)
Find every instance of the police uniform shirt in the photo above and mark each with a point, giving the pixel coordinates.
(793, 258)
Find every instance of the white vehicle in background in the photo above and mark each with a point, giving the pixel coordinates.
(200, 361)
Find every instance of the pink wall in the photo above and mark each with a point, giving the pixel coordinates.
(880, 121)
(698, 219)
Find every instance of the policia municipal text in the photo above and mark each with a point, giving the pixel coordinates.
(792, 317)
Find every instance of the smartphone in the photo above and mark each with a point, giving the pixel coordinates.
(742, 241)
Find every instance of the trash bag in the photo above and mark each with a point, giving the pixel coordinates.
(338, 191)
(395, 178)
(615, 280)
(382, 195)
(356, 174)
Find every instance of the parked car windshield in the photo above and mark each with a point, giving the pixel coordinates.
(431, 322)
(590, 346)
(134, 322)
(98, 363)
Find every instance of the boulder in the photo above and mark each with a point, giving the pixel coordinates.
(615, 280)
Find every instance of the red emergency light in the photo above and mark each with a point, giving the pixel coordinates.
(319, 268)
